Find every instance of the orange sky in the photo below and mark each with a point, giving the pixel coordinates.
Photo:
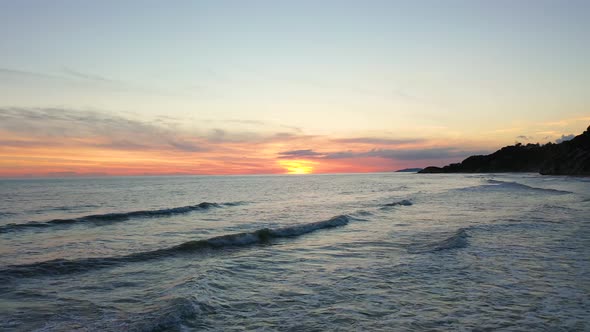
(63, 157)
(50, 142)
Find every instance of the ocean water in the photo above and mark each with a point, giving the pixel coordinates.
(364, 252)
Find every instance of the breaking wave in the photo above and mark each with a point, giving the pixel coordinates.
(261, 236)
(114, 217)
(456, 241)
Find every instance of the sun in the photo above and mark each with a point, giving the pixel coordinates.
(297, 166)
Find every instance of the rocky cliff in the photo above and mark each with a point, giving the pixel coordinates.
(566, 158)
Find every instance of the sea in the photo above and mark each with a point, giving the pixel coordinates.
(346, 252)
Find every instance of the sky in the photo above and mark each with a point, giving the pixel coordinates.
(271, 87)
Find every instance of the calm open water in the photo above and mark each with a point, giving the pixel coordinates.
(391, 251)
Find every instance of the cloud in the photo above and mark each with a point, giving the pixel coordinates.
(379, 141)
(218, 135)
(86, 76)
(251, 122)
(21, 143)
(25, 73)
(286, 136)
(565, 138)
(42, 140)
(68, 75)
(53, 127)
(524, 137)
(506, 130)
(69, 123)
(293, 128)
(299, 154)
(123, 145)
(187, 146)
(121, 131)
(57, 126)
(71, 76)
(406, 154)
(401, 154)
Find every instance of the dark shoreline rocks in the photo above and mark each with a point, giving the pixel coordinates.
(409, 170)
(566, 158)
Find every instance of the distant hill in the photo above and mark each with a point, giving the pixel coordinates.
(566, 158)
(410, 170)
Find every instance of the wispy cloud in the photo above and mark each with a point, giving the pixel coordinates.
(309, 153)
(69, 76)
(407, 154)
(66, 74)
(44, 140)
(109, 130)
(395, 154)
(220, 136)
(23, 143)
(506, 130)
(87, 76)
(379, 141)
(56, 126)
(25, 73)
(250, 122)
(253, 124)
(564, 138)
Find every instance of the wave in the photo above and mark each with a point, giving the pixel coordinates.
(492, 181)
(362, 213)
(456, 241)
(403, 202)
(168, 316)
(114, 217)
(63, 208)
(234, 203)
(513, 186)
(5, 214)
(261, 236)
(556, 207)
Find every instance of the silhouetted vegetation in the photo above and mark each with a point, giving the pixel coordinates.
(566, 158)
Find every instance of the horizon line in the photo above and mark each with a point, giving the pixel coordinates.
(102, 176)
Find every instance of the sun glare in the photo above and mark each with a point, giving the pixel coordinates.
(297, 166)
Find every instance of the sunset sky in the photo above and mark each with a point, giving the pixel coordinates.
(261, 87)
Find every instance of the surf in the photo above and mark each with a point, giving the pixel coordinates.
(458, 240)
(260, 236)
(116, 217)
